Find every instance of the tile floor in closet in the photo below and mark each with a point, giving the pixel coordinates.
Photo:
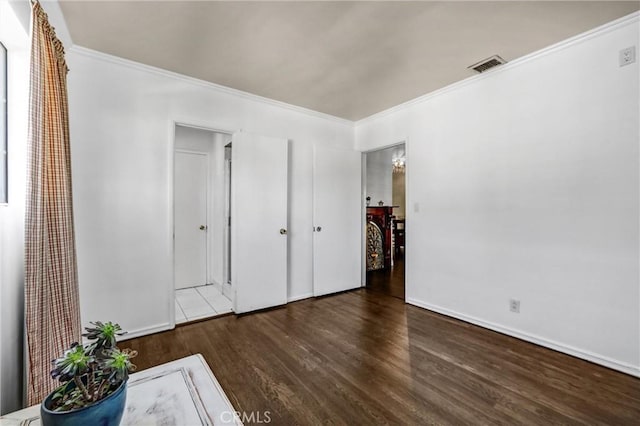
(196, 303)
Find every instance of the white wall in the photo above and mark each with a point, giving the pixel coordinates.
(379, 179)
(121, 123)
(526, 180)
(212, 143)
(16, 40)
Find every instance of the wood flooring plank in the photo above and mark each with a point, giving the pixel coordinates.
(363, 357)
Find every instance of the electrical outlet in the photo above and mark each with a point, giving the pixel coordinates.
(514, 305)
(627, 56)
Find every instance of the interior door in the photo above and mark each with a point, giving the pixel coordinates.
(190, 209)
(337, 219)
(259, 221)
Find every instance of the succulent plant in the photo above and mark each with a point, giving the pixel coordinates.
(103, 334)
(93, 371)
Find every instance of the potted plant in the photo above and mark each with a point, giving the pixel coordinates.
(94, 380)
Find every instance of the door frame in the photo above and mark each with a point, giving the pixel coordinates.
(403, 141)
(208, 126)
(226, 286)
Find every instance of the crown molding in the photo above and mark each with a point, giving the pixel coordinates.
(580, 38)
(84, 51)
(630, 19)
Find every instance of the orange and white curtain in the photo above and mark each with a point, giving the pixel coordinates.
(51, 283)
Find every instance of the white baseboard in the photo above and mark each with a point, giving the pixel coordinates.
(541, 341)
(299, 297)
(227, 290)
(216, 285)
(145, 331)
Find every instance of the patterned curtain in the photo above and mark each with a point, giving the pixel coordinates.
(51, 284)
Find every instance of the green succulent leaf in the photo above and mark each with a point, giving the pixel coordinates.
(119, 364)
(104, 334)
(74, 362)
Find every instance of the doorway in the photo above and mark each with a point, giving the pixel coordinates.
(200, 218)
(385, 196)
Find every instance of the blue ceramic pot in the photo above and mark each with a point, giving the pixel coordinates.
(106, 412)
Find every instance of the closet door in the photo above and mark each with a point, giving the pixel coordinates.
(337, 219)
(259, 221)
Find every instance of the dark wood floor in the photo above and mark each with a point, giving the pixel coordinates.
(388, 281)
(364, 358)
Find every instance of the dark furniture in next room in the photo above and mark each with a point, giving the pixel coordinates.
(398, 238)
(382, 216)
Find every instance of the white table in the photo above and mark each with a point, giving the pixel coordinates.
(183, 392)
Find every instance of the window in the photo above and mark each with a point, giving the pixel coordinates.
(3, 124)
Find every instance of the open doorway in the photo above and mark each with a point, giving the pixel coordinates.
(385, 220)
(201, 223)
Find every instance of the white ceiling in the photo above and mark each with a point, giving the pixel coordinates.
(347, 59)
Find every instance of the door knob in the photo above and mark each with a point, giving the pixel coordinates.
(283, 231)
(318, 228)
(203, 228)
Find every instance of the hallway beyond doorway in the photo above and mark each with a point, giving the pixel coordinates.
(385, 214)
(388, 281)
(196, 303)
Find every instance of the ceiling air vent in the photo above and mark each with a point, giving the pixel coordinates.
(488, 63)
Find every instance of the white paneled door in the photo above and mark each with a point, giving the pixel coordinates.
(259, 221)
(190, 231)
(337, 219)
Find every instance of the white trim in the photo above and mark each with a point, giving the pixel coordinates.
(227, 290)
(147, 330)
(233, 232)
(191, 151)
(580, 38)
(603, 29)
(216, 285)
(227, 286)
(401, 141)
(299, 297)
(363, 219)
(624, 367)
(206, 84)
(171, 290)
(202, 125)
